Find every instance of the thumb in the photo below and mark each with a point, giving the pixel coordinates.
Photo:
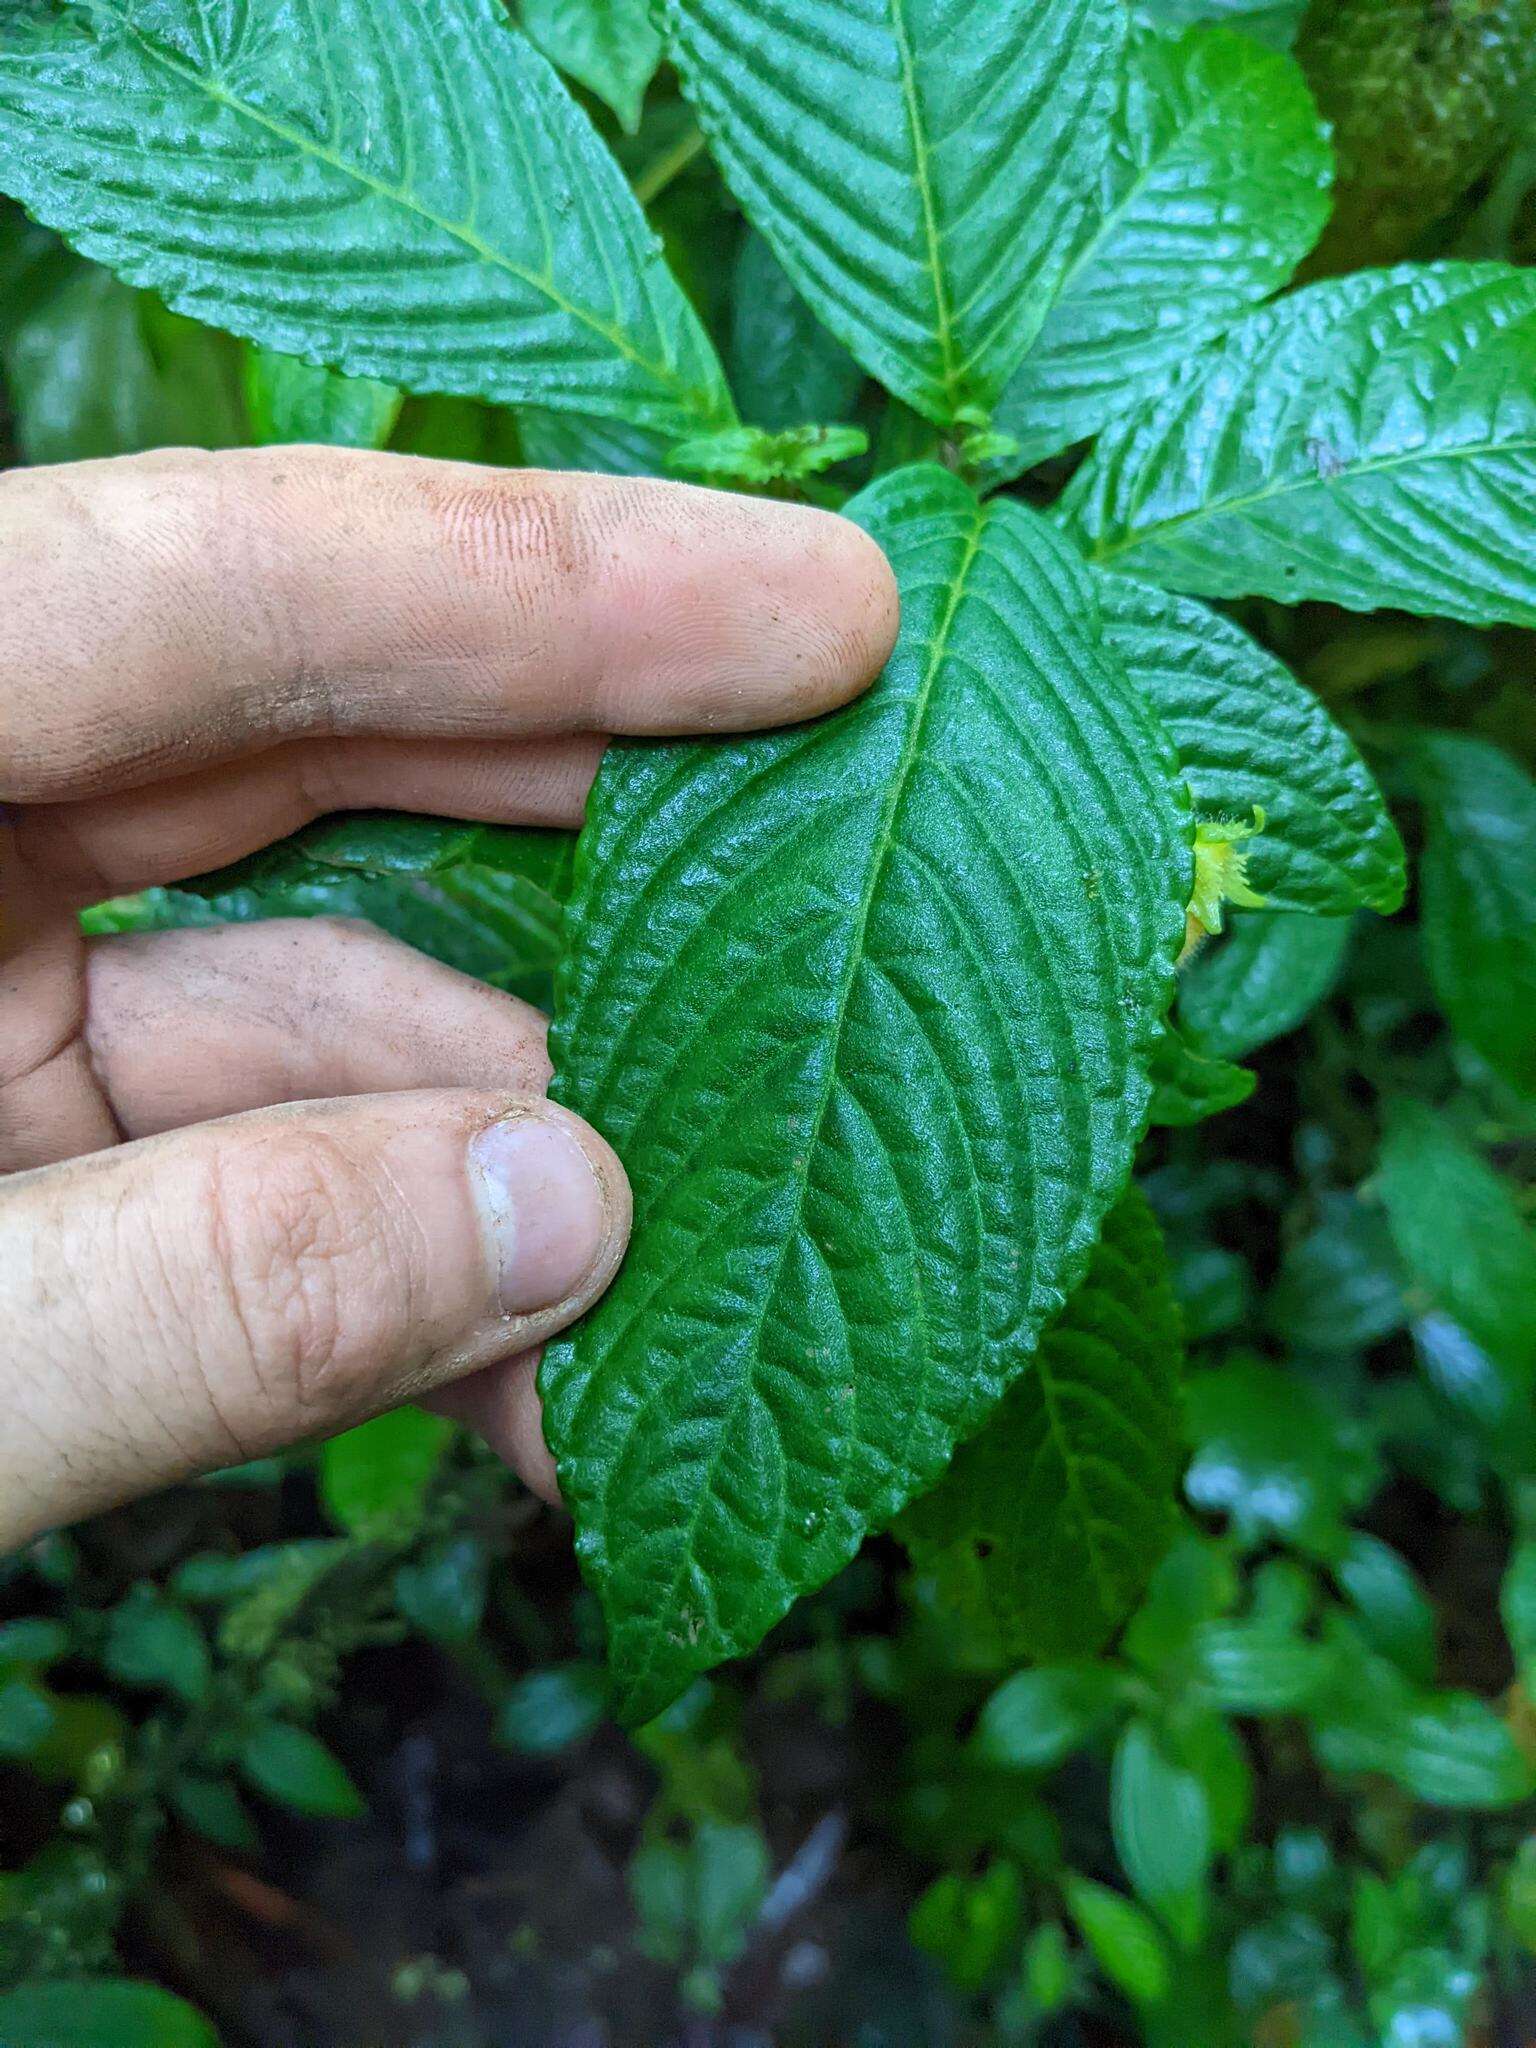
(201, 1298)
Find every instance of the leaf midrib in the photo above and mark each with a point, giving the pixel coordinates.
(800, 1175)
(664, 374)
(923, 174)
(1223, 507)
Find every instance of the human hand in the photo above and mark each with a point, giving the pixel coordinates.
(258, 1182)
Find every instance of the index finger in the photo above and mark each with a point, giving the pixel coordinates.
(171, 610)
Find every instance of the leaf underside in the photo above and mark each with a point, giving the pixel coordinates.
(920, 166)
(865, 1008)
(1370, 441)
(1044, 1531)
(408, 194)
(1214, 186)
(1247, 733)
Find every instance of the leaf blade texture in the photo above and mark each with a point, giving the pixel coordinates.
(828, 1289)
(1370, 442)
(1249, 735)
(1214, 187)
(919, 166)
(406, 194)
(1045, 1529)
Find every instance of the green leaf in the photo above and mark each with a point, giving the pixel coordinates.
(374, 1479)
(1340, 1287)
(1517, 1605)
(290, 400)
(1250, 737)
(1125, 1943)
(296, 1769)
(153, 1642)
(1462, 1237)
(1045, 1529)
(1214, 187)
(1370, 441)
(971, 1925)
(1271, 22)
(1162, 1831)
(1445, 1748)
(891, 1074)
(32, 1640)
(610, 46)
(100, 2012)
(578, 440)
(919, 166)
(1477, 888)
(27, 1717)
(1264, 978)
(785, 367)
(95, 368)
(1037, 1719)
(213, 1808)
(1391, 1608)
(444, 1592)
(1187, 1086)
(550, 1710)
(1265, 1453)
(1255, 1667)
(399, 192)
(379, 843)
(754, 456)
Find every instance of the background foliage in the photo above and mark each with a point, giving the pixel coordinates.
(320, 1749)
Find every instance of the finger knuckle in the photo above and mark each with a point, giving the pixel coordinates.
(317, 1282)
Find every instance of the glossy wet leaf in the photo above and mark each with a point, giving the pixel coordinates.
(1250, 737)
(1370, 442)
(400, 192)
(858, 1199)
(919, 166)
(1214, 186)
(1046, 1527)
(1458, 1230)
(1262, 980)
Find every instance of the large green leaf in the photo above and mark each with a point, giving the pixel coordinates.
(401, 192)
(1214, 188)
(1370, 441)
(1044, 1531)
(610, 46)
(786, 369)
(1462, 1237)
(95, 368)
(1477, 883)
(100, 2012)
(1263, 979)
(920, 166)
(1249, 736)
(866, 1008)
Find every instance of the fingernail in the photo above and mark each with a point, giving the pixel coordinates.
(544, 1207)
